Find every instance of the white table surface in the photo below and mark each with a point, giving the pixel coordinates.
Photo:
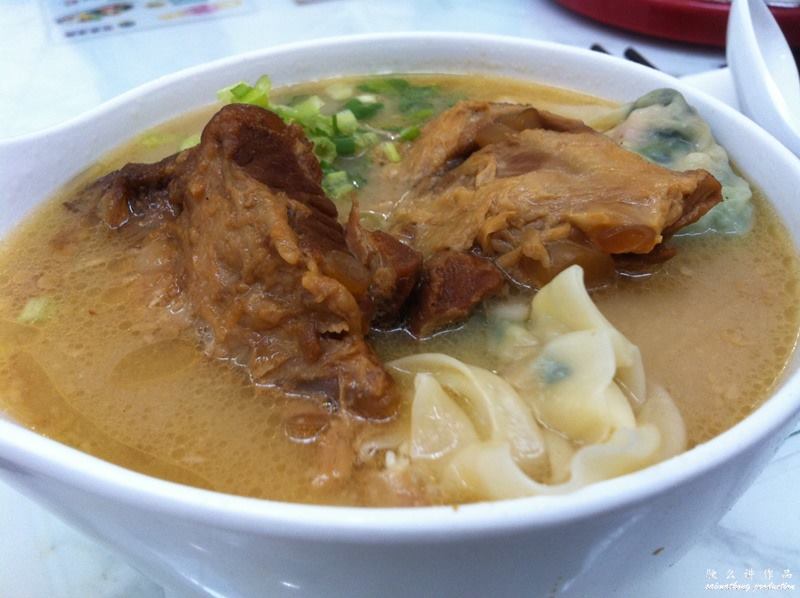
(44, 81)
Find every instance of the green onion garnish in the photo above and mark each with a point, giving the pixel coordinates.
(409, 133)
(390, 151)
(189, 141)
(362, 110)
(345, 122)
(421, 115)
(337, 184)
(151, 140)
(242, 93)
(345, 146)
(365, 140)
(324, 148)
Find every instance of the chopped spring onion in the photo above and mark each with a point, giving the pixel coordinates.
(409, 133)
(35, 310)
(414, 100)
(421, 115)
(151, 140)
(255, 98)
(287, 113)
(324, 148)
(264, 84)
(345, 122)
(190, 141)
(362, 110)
(242, 93)
(240, 90)
(416, 97)
(308, 114)
(345, 145)
(365, 140)
(339, 91)
(337, 184)
(309, 107)
(390, 151)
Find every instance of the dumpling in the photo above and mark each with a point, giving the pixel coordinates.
(564, 365)
(490, 404)
(563, 305)
(571, 385)
(665, 129)
(489, 471)
(585, 376)
(439, 426)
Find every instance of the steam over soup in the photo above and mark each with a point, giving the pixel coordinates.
(373, 291)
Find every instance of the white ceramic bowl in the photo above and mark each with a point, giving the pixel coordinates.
(209, 544)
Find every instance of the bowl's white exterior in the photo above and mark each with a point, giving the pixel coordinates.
(209, 544)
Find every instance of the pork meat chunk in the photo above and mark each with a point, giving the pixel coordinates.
(537, 192)
(453, 285)
(263, 263)
(393, 266)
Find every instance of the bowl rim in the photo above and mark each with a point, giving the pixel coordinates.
(24, 451)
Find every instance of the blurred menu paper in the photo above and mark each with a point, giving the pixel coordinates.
(74, 20)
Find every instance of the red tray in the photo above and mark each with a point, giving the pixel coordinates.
(696, 21)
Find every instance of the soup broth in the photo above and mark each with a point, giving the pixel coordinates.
(87, 359)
